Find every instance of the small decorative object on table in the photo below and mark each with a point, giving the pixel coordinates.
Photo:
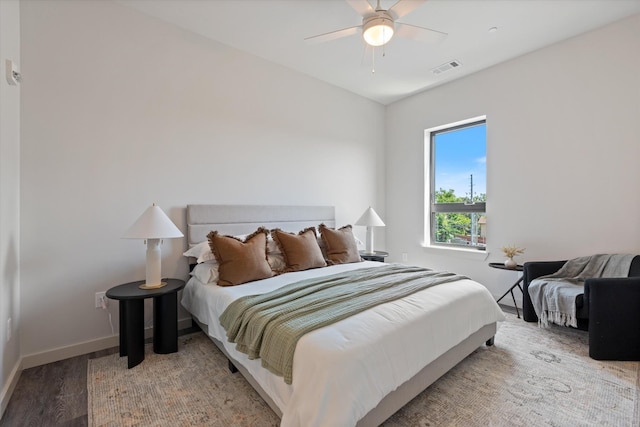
(510, 252)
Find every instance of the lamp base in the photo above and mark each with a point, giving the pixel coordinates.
(157, 286)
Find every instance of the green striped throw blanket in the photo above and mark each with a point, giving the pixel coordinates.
(268, 326)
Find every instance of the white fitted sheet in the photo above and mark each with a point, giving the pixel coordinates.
(342, 371)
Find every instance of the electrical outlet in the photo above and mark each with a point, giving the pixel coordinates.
(405, 257)
(99, 297)
(8, 329)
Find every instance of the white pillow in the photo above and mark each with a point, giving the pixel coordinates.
(201, 251)
(206, 272)
(274, 255)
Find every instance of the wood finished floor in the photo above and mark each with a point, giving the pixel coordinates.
(52, 394)
(56, 394)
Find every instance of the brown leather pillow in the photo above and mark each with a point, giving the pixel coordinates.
(240, 262)
(340, 245)
(301, 251)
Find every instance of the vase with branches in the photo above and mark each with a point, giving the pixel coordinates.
(510, 252)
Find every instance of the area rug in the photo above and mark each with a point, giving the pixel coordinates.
(531, 376)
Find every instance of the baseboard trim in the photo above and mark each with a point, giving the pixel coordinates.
(10, 386)
(61, 353)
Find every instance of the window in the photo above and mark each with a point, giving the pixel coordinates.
(456, 179)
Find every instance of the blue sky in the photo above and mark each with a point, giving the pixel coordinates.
(459, 154)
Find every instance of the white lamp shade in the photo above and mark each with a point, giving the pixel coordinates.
(370, 218)
(153, 224)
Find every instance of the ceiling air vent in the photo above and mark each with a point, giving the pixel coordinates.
(447, 66)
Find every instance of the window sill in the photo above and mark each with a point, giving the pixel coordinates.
(474, 254)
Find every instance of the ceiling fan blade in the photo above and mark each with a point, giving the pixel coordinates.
(404, 7)
(363, 7)
(333, 35)
(420, 34)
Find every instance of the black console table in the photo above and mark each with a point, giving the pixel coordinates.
(165, 318)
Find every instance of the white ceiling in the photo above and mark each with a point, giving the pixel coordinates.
(275, 30)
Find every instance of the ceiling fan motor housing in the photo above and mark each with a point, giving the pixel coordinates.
(378, 29)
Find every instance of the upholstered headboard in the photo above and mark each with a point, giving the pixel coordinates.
(244, 219)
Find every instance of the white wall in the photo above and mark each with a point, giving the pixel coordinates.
(9, 202)
(120, 110)
(563, 145)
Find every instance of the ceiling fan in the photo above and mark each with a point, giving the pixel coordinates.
(380, 25)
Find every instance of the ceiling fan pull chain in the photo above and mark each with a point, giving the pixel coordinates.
(373, 60)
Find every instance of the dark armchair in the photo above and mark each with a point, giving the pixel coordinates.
(609, 309)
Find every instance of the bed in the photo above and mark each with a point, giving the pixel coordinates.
(361, 369)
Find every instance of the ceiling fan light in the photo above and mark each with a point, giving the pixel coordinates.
(377, 31)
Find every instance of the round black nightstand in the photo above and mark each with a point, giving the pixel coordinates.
(165, 318)
(375, 256)
(501, 266)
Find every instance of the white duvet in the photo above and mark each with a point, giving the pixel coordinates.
(341, 372)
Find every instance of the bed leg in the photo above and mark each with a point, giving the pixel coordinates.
(490, 341)
(232, 367)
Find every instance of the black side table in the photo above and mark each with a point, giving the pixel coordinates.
(518, 267)
(165, 318)
(375, 256)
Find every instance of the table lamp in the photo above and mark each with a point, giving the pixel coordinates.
(152, 226)
(370, 219)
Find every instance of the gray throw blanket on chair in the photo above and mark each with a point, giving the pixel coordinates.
(554, 296)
